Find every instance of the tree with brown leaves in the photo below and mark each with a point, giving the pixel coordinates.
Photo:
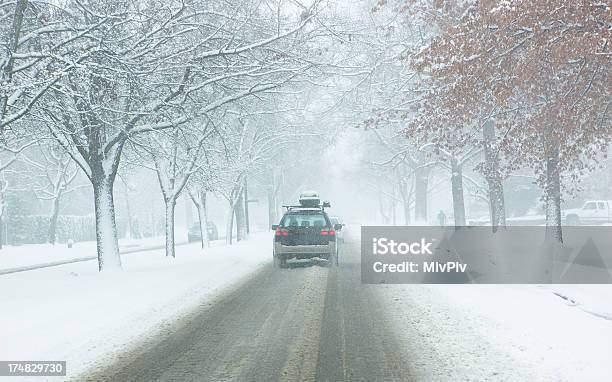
(540, 71)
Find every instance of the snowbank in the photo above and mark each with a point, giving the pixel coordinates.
(503, 332)
(74, 313)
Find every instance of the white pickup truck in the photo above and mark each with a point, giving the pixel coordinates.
(593, 212)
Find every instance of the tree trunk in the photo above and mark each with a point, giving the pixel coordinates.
(203, 216)
(393, 208)
(405, 194)
(382, 208)
(497, 204)
(273, 200)
(230, 224)
(246, 208)
(2, 230)
(272, 217)
(406, 205)
(421, 182)
(457, 189)
(53, 220)
(497, 208)
(106, 227)
(553, 192)
(199, 200)
(170, 245)
(240, 218)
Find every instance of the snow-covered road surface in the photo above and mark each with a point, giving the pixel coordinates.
(315, 323)
(229, 315)
(73, 313)
(309, 322)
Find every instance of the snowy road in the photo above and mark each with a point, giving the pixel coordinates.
(309, 322)
(315, 323)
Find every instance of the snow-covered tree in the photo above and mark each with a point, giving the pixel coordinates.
(176, 155)
(41, 42)
(409, 167)
(203, 182)
(159, 66)
(537, 71)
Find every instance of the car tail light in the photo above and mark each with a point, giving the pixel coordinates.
(280, 232)
(328, 231)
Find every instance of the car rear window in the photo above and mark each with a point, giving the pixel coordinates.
(304, 220)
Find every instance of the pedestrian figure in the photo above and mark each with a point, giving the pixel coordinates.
(442, 218)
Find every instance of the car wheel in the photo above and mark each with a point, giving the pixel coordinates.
(279, 262)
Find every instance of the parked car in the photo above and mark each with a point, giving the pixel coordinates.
(335, 220)
(592, 212)
(194, 234)
(305, 233)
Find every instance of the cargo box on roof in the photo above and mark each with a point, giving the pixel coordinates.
(310, 199)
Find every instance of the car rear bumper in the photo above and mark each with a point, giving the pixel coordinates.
(304, 251)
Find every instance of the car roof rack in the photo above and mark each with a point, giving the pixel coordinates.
(320, 207)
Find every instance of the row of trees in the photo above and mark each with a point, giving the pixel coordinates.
(499, 87)
(180, 87)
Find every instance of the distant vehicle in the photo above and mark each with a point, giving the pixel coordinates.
(194, 232)
(592, 212)
(339, 235)
(305, 232)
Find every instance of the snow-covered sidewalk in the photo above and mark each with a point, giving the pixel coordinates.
(504, 332)
(32, 255)
(74, 313)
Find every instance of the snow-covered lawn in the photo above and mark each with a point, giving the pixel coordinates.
(12, 257)
(74, 313)
(504, 332)
(33, 254)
